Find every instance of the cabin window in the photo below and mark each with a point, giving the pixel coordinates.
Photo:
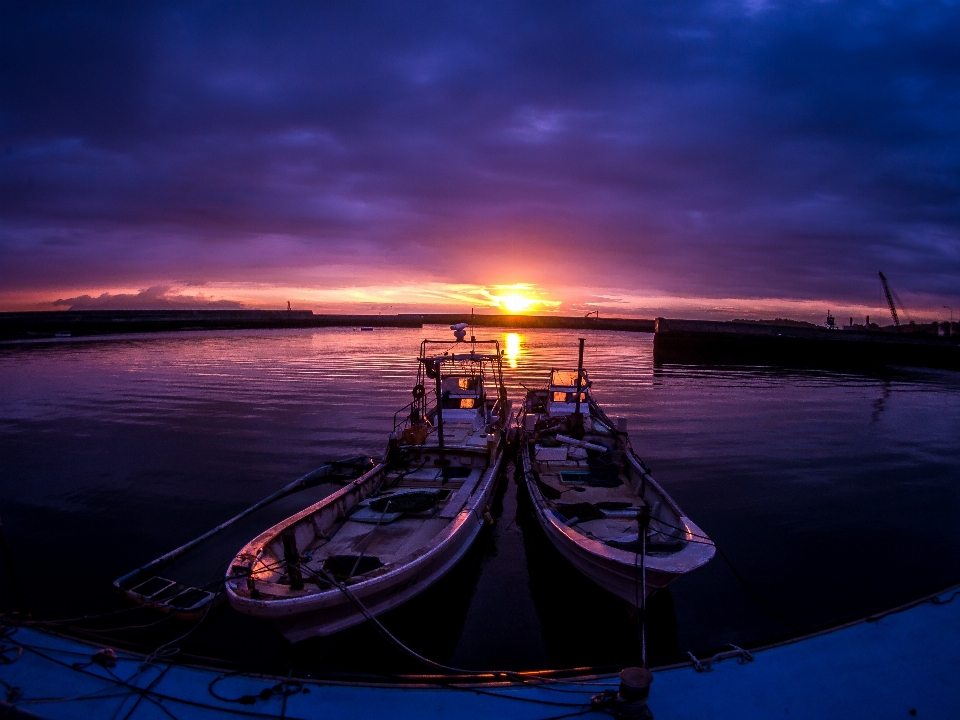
(563, 378)
(454, 384)
(570, 397)
(450, 403)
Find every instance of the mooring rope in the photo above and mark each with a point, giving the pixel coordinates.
(515, 675)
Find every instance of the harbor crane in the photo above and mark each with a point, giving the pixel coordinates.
(890, 296)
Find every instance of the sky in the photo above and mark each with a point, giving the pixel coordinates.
(685, 159)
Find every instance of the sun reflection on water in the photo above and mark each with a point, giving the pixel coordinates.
(513, 349)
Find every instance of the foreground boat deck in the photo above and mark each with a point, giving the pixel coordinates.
(901, 664)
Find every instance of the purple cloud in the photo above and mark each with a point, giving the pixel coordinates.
(694, 148)
(152, 298)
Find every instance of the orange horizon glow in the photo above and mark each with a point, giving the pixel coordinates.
(443, 297)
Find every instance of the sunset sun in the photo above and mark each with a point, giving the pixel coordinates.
(515, 303)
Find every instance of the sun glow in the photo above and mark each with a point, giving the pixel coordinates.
(518, 298)
(515, 303)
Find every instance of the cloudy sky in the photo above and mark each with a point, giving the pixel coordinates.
(705, 159)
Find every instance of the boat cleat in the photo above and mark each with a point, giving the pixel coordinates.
(630, 701)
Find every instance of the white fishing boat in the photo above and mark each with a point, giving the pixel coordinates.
(397, 529)
(595, 498)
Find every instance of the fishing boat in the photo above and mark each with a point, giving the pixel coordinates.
(594, 496)
(397, 529)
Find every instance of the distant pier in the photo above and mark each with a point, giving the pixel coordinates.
(700, 342)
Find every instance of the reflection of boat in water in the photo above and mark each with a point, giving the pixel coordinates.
(397, 529)
(593, 495)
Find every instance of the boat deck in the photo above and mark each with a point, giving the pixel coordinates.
(372, 536)
(459, 432)
(897, 666)
(571, 488)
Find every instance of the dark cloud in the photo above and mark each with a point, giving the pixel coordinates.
(709, 148)
(153, 298)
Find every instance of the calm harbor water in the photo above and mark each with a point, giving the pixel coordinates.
(833, 495)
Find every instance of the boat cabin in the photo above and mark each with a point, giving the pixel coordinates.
(461, 396)
(562, 393)
(452, 405)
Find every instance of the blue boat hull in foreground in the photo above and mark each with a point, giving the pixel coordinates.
(896, 665)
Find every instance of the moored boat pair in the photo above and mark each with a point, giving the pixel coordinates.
(398, 528)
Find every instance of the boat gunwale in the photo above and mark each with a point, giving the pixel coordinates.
(285, 606)
(699, 549)
(619, 557)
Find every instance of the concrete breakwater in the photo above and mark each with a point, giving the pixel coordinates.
(37, 325)
(41, 325)
(538, 321)
(697, 342)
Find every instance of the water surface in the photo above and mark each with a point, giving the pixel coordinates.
(834, 495)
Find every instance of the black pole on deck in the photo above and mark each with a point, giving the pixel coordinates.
(579, 377)
(291, 558)
(643, 523)
(439, 413)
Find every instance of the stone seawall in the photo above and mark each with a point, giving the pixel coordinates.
(37, 325)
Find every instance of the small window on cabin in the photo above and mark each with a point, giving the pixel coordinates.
(458, 385)
(559, 397)
(455, 403)
(563, 378)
